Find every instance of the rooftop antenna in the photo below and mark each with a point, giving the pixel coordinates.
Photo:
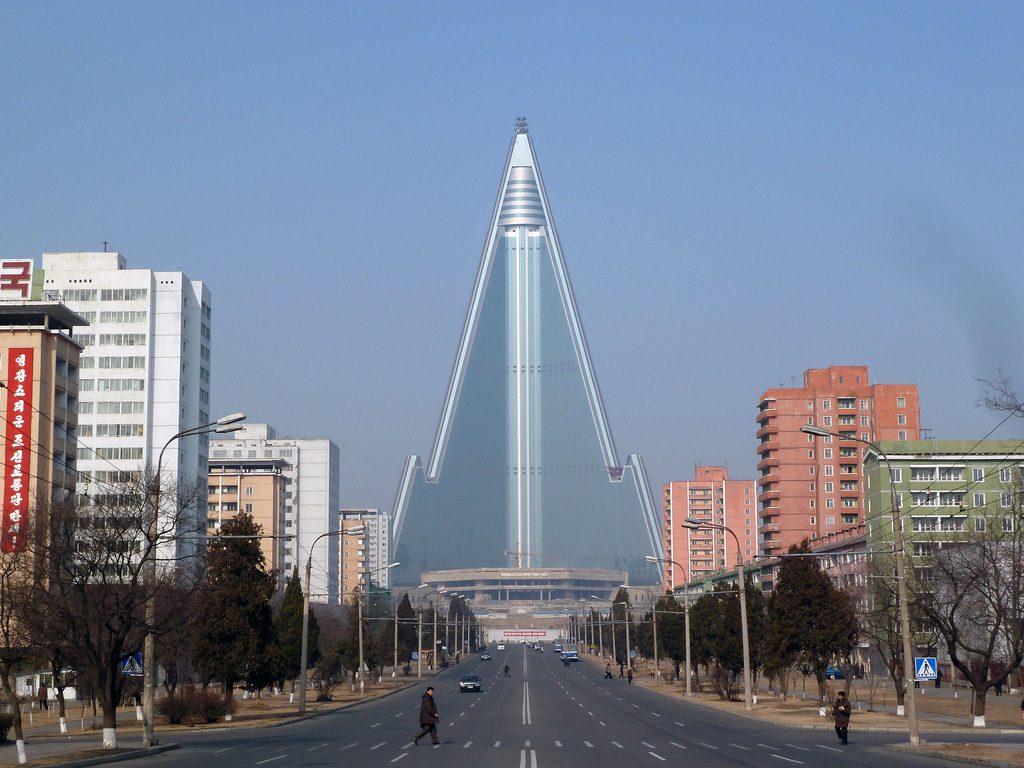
(105, 244)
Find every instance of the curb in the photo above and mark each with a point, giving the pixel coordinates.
(117, 758)
(917, 751)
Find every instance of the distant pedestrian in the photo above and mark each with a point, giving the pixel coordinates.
(999, 687)
(622, 672)
(938, 678)
(607, 671)
(506, 671)
(44, 697)
(629, 675)
(428, 717)
(841, 711)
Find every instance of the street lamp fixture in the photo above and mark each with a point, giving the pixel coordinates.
(694, 524)
(222, 425)
(686, 614)
(629, 655)
(901, 582)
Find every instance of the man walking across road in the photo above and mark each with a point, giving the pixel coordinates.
(428, 717)
(841, 711)
(607, 671)
(629, 675)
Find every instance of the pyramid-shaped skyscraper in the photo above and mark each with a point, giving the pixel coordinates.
(524, 471)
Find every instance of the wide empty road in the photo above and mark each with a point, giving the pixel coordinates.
(544, 715)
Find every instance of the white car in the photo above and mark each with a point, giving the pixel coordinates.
(501, 646)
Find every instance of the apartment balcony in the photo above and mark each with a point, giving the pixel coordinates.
(771, 461)
(769, 528)
(769, 494)
(767, 410)
(768, 445)
(771, 428)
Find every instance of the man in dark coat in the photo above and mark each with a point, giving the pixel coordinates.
(428, 717)
(841, 711)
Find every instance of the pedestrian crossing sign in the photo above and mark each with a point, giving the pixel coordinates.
(925, 668)
(132, 665)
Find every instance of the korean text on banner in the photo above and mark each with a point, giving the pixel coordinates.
(17, 441)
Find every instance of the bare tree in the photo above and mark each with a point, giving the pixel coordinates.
(17, 571)
(972, 590)
(97, 587)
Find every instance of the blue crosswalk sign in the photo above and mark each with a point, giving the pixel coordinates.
(925, 668)
(132, 665)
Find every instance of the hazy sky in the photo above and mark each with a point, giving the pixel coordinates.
(743, 191)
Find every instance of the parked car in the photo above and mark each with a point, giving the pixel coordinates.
(834, 673)
(485, 657)
(469, 683)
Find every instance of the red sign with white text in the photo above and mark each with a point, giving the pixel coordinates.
(16, 278)
(17, 441)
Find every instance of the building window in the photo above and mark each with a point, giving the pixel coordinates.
(248, 490)
(829, 470)
(827, 421)
(811, 504)
(863, 405)
(829, 487)
(830, 504)
(979, 500)
(901, 418)
(826, 405)
(901, 402)
(830, 520)
(902, 435)
(828, 453)
(1008, 524)
(1005, 475)
(897, 474)
(814, 520)
(1005, 499)
(979, 524)
(810, 454)
(810, 487)
(248, 509)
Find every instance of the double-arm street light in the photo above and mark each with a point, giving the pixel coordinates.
(901, 582)
(686, 615)
(358, 530)
(629, 655)
(359, 619)
(693, 524)
(222, 425)
(600, 624)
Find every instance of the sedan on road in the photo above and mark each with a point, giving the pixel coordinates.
(485, 657)
(469, 683)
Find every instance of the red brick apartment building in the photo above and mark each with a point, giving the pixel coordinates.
(809, 486)
(713, 497)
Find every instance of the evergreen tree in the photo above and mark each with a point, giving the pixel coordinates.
(287, 651)
(406, 628)
(234, 629)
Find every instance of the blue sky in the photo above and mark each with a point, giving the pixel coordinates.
(743, 191)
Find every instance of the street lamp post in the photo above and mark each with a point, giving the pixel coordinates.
(419, 661)
(901, 582)
(686, 614)
(693, 524)
(359, 619)
(600, 627)
(222, 425)
(304, 654)
(629, 655)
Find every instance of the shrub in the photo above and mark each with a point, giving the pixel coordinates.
(193, 707)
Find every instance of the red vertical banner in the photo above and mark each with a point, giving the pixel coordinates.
(18, 444)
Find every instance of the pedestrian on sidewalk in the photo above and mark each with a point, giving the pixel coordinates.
(841, 711)
(428, 717)
(622, 667)
(44, 697)
(629, 675)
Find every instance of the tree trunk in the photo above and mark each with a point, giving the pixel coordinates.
(978, 710)
(15, 707)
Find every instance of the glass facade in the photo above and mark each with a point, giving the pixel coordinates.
(524, 470)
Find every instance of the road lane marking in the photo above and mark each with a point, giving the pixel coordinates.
(527, 716)
(353, 744)
(527, 743)
(450, 724)
(318, 746)
(655, 754)
(602, 723)
(681, 725)
(437, 745)
(558, 744)
(745, 749)
(399, 757)
(222, 750)
(579, 705)
(649, 746)
(591, 746)
(709, 746)
(378, 746)
(637, 706)
(533, 758)
(767, 746)
(462, 714)
(271, 759)
(497, 743)
(655, 714)
(618, 745)
(376, 724)
(677, 745)
(466, 745)
(794, 746)
(590, 713)
(789, 759)
(833, 749)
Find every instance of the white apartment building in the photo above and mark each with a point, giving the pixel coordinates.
(374, 549)
(311, 499)
(144, 373)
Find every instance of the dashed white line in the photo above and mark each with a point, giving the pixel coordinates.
(655, 754)
(590, 713)
(399, 757)
(709, 746)
(271, 759)
(591, 746)
(637, 706)
(348, 746)
(767, 746)
(450, 724)
(655, 714)
(833, 749)
(222, 750)
(745, 749)
(602, 723)
(649, 746)
(794, 746)
(789, 759)
(318, 746)
(677, 745)
(378, 746)
(467, 745)
(375, 725)
(681, 725)
(462, 714)
(558, 744)
(497, 743)
(398, 715)
(618, 745)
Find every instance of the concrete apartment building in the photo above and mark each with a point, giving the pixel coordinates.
(367, 555)
(312, 471)
(39, 374)
(144, 373)
(256, 487)
(810, 487)
(713, 497)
